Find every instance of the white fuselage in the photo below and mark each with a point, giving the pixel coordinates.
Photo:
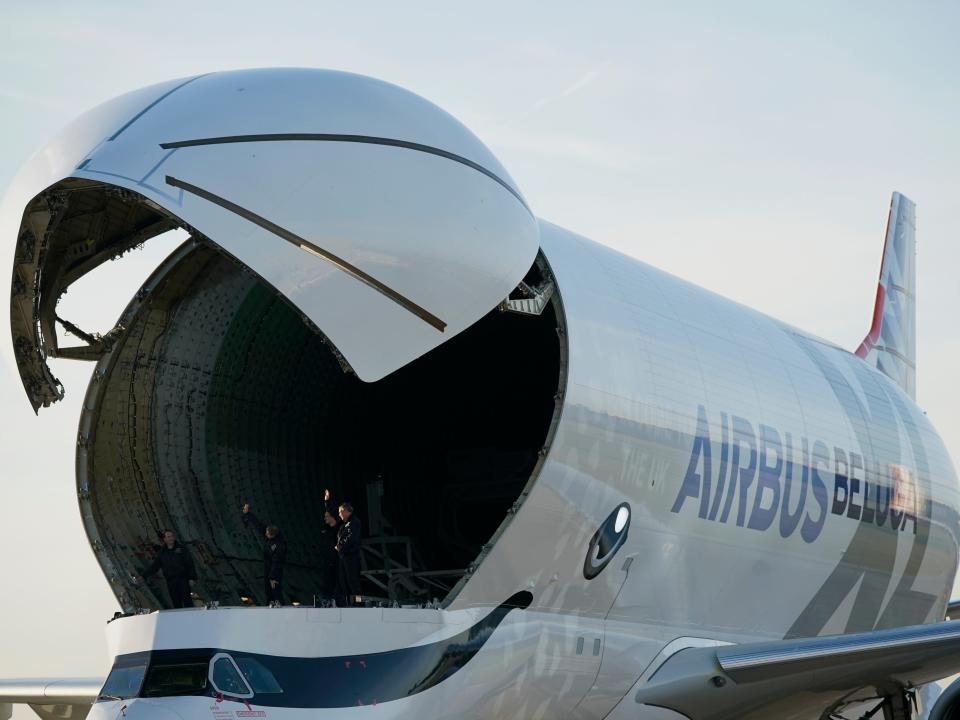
(727, 434)
(710, 475)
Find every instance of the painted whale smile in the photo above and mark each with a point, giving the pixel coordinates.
(329, 682)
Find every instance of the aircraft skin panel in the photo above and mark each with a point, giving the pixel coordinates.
(379, 659)
(683, 404)
(338, 191)
(56, 161)
(715, 477)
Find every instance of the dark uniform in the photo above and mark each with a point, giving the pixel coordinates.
(178, 571)
(348, 540)
(274, 557)
(329, 562)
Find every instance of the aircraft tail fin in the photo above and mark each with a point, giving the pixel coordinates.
(891, 344)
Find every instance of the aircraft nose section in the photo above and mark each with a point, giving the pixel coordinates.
(382, 219)
(389, 250)
(133, 709)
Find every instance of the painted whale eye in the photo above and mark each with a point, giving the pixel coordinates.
(606, 541)
(623, 515)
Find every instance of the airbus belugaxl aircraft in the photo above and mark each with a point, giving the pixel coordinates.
(591, 489)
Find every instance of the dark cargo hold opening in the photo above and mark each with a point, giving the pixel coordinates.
(219, 393)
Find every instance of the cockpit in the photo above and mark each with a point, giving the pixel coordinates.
(174, 673)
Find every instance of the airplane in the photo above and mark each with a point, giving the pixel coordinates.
(591, 489)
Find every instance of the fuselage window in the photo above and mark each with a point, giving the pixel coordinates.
(226, 678)
(179, 679)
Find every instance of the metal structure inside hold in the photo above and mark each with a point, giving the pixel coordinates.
(65, 234)
(531, 298)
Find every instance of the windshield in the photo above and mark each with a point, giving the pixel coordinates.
(260, 679)
(176, 679)
(226, 678)
(123, 682)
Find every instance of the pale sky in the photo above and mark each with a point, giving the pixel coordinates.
(750, 147)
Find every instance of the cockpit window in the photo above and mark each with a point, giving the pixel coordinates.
(123, 683)
(175, 679)
(258, 677)
(226, 677)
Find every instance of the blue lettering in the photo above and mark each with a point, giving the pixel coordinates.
(790, 520)
(742, 433)
(897, 521)
(869, 511)
(912, 518)
(862, 490)
(768, 478)
(811, 528)
(693, 484)
(742, 429)
(840, 481)
(721, 477)
(882, 507)
(854, 510)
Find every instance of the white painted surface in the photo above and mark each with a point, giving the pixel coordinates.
(436, 231)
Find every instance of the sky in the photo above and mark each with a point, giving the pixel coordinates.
(749, 147)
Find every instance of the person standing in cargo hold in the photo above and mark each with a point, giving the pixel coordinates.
(329, 504)
(178, 570)
(328, 557)
(274, 557)
(348, 547)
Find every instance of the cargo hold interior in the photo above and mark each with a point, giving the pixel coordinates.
(214, 391)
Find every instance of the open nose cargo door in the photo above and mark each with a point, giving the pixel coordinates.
(382, 219)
